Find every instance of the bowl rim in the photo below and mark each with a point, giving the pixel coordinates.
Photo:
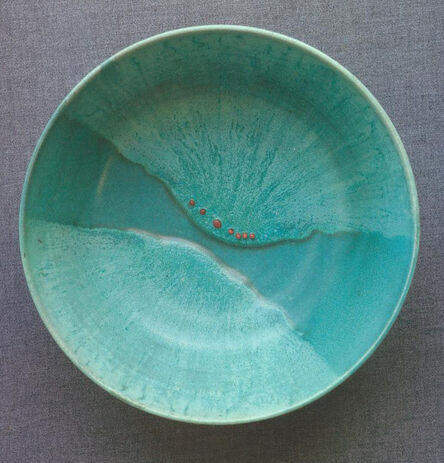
(351, 80)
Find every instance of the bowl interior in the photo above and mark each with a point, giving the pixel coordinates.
(218, 225)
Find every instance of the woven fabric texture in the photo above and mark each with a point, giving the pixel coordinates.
(391, 410)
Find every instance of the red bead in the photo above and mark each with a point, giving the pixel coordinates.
(202, 211)
(192, 202)
(230, 231)
(252, 236)
(217, 223)
(244, 235)
(238, 236)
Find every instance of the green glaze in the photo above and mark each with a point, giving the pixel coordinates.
(183, 319)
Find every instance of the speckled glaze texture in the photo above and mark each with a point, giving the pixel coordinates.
(219, 224)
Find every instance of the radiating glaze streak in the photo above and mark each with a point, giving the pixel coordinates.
(292, 168)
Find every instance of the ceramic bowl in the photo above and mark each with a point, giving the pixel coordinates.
(219, 224)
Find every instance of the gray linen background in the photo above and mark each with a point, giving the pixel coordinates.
(391, 410)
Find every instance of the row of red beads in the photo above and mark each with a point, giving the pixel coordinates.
(218, 224)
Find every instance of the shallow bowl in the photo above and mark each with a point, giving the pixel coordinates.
(219, 224)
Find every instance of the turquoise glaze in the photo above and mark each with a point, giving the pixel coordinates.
(174, 315)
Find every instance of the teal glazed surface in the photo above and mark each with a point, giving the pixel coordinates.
(182, 318)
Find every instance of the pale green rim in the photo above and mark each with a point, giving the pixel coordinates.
(349, 77)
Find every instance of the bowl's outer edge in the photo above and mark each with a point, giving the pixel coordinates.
(328, 61)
